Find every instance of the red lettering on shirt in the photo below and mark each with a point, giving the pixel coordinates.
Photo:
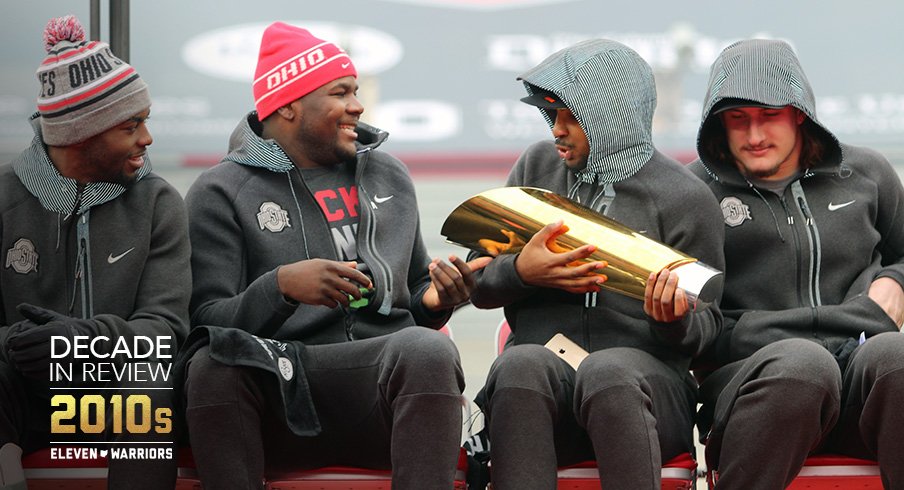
(335, 208)
(350, 198)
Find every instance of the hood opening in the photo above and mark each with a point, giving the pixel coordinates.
(821, 149)
(763, 72)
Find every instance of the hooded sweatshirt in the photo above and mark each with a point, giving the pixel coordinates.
(611, 92)
(116, 255)
(235, 257)
(799, 264)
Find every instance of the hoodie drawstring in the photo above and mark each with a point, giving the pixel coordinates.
(82, 276)
(59, 230)
(573, 192)
(774, 217)
(304, 236)
(597, 200)
(84, 245)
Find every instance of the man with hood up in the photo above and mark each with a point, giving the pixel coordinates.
(630, 405)
(307, 249)
(810, 357)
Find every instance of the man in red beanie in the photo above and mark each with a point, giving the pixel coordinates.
(316, 359)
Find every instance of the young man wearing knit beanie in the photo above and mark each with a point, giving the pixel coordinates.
(307, 255)
(95, 256)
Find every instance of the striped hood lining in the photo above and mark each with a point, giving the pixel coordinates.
(55, 192)
(611, 91)
(764, 71)
(246, 147)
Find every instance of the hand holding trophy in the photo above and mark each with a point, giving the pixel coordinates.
(503, 220)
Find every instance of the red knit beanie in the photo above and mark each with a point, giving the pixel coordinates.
(293, 63)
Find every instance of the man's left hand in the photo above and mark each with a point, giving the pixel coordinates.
(29, 342)
(663, 300)
(451, 286)
(889, 295)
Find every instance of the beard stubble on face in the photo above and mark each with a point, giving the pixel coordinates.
(752, 171)
(324, 152)
(576, 166)
(761, 174)
(104, 165)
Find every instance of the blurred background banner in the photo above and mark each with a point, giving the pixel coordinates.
(439, 75)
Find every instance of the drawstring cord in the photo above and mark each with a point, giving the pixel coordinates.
(59, 230)
(589, 298)
(573, 192)
(304, 236)
(84, 246)
(774, 217)
(79, 262)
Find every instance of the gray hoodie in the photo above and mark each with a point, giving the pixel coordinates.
(235, 257)
(799, 264)
(611, 92)
(101, 251)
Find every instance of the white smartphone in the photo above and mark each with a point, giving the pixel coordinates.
(570, 352)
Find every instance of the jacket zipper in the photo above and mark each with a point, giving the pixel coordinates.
(815, 249)
(812, 234)
(347, 315)
(797, 249)
(378, 265)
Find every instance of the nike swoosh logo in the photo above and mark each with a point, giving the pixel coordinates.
(833, 207)
(112, 260)
(381, 200)
(345, 65)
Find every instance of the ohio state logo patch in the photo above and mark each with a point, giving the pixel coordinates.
(22, 257)
(734, 211)
(273, 217)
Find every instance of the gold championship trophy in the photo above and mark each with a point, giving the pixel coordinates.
(501, 221)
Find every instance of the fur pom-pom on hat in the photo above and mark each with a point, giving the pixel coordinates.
(85, 88)
(66, 28)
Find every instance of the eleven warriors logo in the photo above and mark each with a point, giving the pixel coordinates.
(22, 257)
(734, 211)
(273, 217)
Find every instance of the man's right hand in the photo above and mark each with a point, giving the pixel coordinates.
(539, 265)
(321, 282)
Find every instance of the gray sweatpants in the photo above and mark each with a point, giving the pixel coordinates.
(387, 402)
(623, 407)
(790, 399)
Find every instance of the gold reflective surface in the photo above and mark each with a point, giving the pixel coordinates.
(501, 221)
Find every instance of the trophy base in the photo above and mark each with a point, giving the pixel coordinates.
(701, 282)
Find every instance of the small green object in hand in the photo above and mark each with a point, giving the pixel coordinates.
(360, 303)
